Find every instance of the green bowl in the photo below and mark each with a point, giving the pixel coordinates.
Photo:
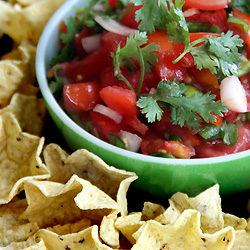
(157, 176)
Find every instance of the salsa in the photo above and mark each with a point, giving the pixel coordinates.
(162, 78)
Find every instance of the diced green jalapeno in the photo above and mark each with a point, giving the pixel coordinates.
(79, 121)
(163, 155)
(211, 131)
(175, 138)
(191, 91)
(116, 141)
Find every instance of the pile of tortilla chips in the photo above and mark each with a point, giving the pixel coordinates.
(52, 200)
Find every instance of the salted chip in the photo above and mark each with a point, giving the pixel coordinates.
(28, 23)
(108, 233)
(19, 158)
(6, 14)
(242, 240)
(26, 2)
(29, 244)
(208, 203)
(185, 233)
(17, 233)
(29, 111)
(9, 214)
(234, 221)
(89, 167)
(10, 78)
(129, 224)
(51, 203)
(70, 228)
(75, 241)
(169, 216)
(151, 210)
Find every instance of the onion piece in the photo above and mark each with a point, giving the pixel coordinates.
(190, 12)
(91, 43)
(114, 26)
(115, 116)
(132, 141)
(233, 94)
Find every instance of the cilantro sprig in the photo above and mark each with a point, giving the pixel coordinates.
(183, 109)
(136, 49)
(216, 53)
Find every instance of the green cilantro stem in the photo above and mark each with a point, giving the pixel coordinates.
(189, 47)
(142, 67)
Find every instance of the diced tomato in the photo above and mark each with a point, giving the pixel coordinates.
(207, 5)
(218, 121)
(198, 35)
(217, 17)
(82, 96)
(204, 80)
(87, 69)
(167, 53)
(215, 148)
(176, 148)
(62, 29)
(110, 41)
(104, 126)
(179, 150)
(121, 100)
(238, 29)
(78, 39)
(113, 3)
(129, 18)
(136, 124)
(151, 79)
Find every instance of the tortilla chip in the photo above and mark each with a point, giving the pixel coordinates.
(185, 233)
(208, 203)
(90, 167)
(234, 221)
(75, 241)
(151, 210)
(20, 158)
(10, 78)
(51, 203)
(71, 228)
(30, 244)
(108, 233)
(9, 214)
(28, 23)
(34, 109)
(17, 233)
(129, 224)
(6, 14)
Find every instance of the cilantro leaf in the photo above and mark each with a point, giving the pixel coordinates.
(134, 50)
(218, 54)
(157, 15)
(229, 133)
(183, 109)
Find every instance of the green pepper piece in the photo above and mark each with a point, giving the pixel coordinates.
(116, 141)
(211, 131)
(163, 155)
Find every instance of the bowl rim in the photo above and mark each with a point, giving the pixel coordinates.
(61, 14)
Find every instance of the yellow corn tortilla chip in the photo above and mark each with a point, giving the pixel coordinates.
(89, 167)
(108, 233)
(19, 158)
(51, 203)
(169, 216)
(75, 241)
(29, 111)
(208, 203)
(10, 78)
(6, 14)
(151, 210)
(71, 227)
(17, 233)
(30, 244)
(185, 233)
(26, 2)
(234, 221)
(28, 23)
(242, 240)
(129, 224)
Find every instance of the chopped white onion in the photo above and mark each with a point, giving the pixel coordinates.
(233, 94)
(132, 141)
(153, 91)
(190, 12)
(114, 26)
(115, 116)
(91, 43)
